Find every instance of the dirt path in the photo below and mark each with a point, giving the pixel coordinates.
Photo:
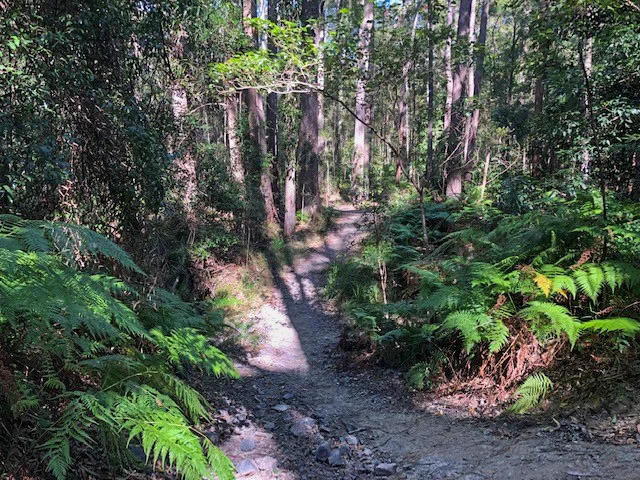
(293, 407)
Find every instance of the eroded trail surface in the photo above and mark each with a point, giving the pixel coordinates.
(295, 415)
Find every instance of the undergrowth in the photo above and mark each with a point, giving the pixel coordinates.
(495, 294)
(88, 359)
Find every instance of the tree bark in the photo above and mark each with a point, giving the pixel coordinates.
(538, 100)
(588, 66)
(471, 129)
(430, 100)
(361, 147)
(290, 197)
(272, 104)
(402, 118)
(448, 68)
(310, 141)
(233, 141)
(455, 166)
(257, 128)
(185, 175)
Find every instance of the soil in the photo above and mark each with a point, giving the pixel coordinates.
(296, 403)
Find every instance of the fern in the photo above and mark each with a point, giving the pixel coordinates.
(550, 318)
(590, 279)
(621, 326)
(418, 374)
(531, 393)
(469, 324)
(498, 335)
(119, 351)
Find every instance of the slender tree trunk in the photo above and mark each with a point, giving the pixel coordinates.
(453, 189)
(485, 172)
(402, 119)
(310, 141)
(361, 148)
(588, 65)
(185, 162)
(430, 100)
(290, 197)
(272, 100)
(448, 68)
(233, 141)
(257, 128)
(538, 100)
(471, 130)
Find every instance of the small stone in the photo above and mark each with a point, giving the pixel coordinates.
(246, 467)
(344, 449)
(335, 459)
(303, 427)
(385, 469)
(287, 396)
(367, 451)
(269, 426)
(247, 445)
(352, 440)
(322, 452)
(267, 463)
(282, 407)
(213, 436)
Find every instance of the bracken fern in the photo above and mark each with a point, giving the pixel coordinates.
(87, 352)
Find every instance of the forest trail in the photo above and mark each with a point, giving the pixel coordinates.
(292, 398)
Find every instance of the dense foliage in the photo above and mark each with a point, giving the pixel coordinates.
(87, 358)
(496, 292)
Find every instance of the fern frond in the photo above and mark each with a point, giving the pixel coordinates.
(531, 393)
(498, 335)
(417, 375)
(622, 326)
(590, 279)
(188, 346)
(468, 323)
(552, 318)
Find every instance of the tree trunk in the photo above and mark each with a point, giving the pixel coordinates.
(257, 129)
(290, 197)
(185, 162)
(402, 119)
(361, 148)
(471, 129)
(588, 65)
(455, 166)
(310, 141)
(430, 100)
(272, 98)
(233, 141)
(448, 68)
(538, 99)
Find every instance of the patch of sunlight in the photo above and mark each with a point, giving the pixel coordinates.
(280, 348)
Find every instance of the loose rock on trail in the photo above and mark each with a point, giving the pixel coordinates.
(295, 415)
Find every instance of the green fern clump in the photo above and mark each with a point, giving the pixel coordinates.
(85, 352)
(492, 282)
(532, 391)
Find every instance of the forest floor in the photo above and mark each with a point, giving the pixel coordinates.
(298, 412)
